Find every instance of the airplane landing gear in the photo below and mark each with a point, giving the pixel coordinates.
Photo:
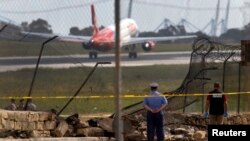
(132, 55)
(93, 55)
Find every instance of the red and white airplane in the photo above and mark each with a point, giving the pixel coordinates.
(103, 40)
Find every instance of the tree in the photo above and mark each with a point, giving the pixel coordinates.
(75, 31)
(25, 26)
(84, 32)
(246, 31)
(170, 31)
(148, 34)
(87, 31)
(40, 26)
(233, 34)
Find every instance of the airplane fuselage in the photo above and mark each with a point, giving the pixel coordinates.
(104, 39)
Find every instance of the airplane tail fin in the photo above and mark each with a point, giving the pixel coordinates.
(94, 22)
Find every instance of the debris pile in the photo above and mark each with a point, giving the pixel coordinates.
(178, 126)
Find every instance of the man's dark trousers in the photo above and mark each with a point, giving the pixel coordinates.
(155, 123)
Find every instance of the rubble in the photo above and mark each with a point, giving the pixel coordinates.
(35, 124)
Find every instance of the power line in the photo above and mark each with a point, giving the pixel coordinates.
(164, 4)
(52, 9)
(143, 2)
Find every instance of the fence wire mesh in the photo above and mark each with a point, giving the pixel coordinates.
(210, 61)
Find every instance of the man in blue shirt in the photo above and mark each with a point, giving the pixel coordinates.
(154, 104)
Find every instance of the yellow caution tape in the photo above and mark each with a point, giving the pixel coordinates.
(112, 96)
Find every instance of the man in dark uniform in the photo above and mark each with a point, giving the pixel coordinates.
(155, 104)
(217, 105)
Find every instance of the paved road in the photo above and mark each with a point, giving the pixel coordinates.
(166, 58)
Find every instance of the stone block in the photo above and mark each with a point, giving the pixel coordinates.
(25, 125)
(70, 132)
(11, 115)
(61, 129)
(178, 137)
(1, 125)
(178, 131)
(225, 121)
(106, 124)
(21, 125)
(199, 135)
(21, 116)
(244, 121)
(43, 116)
(33, 116)
(3, 121)
(39, 125)
(18, 125)
(91, 132)
(4, 114)
(238, 120)
(31, 125)
(9, 124)
(46, 133)
(50, 125)
(134, 137)
(52, 116)
(37, 133)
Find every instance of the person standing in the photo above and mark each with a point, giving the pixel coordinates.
(12, 105)
(216, 106)
(21, 105)
(30, 106)
(154, 105)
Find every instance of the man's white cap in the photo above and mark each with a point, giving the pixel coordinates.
(154, 84)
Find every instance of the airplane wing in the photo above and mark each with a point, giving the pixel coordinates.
(68, 38)
(78, 39)
(137, 40)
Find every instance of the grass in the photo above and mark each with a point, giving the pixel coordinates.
(15, 48)
(135, 80)
(65, 82)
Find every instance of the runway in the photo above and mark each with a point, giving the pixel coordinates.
(144, 59)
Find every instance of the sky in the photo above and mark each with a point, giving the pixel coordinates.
(149, 14)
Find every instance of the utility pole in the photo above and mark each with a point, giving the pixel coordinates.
(224, 28)
(118, 80)
(130, 8)
(215, 23)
